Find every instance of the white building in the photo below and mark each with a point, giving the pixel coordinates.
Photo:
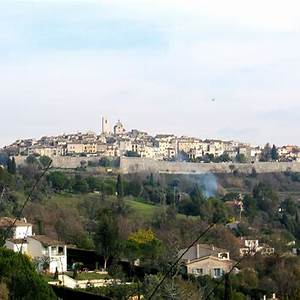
(45, 249)
(251, 247)
(167, 145)
(39, 247)
(105, 126)
(119, 128)
(124, 146)
(20, 230)
(44, 150)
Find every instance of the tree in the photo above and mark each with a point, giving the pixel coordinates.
(143, 244)
(80, 185)
(232, 168)
(76, 267)
(266, 198)
(228, 288)
(94, 183)
(224, 157)
(107, 236)
(104, 162)
(31, 160)
(119, 187)
(250, 205)
(274, 153)
(151, 180)
(83, 163)
(132, 154)
(58, 180)
(132, 187)
(241, 158)
(11, 166)
(45, 161)
(266, 153)
(26, 283)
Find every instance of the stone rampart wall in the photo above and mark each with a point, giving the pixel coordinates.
(136, 165)
(63, 162)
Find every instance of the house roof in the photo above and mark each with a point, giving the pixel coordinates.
(204, 250)
(17, 241)
(6, 222)
(47, 241)
(229, 261)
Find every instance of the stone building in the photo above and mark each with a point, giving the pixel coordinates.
(204, 259)
(119, 128)
(105, 126)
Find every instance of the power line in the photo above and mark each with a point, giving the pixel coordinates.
(253, 250)
(19, 214)
(180, 257)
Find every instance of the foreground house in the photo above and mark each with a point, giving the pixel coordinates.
(48, 253)
(20, 230)
(204, 259)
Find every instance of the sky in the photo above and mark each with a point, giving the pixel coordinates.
(155, 65)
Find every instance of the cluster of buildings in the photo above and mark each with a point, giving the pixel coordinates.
(119, 142)
(204, 259)
(50, 254)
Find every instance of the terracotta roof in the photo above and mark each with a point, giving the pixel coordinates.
(6, 222)
(47, 241)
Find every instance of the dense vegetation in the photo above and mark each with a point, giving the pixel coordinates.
(151, 217)
(19, 279)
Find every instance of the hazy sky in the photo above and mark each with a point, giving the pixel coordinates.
(154, 64)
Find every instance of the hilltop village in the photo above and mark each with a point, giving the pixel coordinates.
(106, 215)
(118, 142)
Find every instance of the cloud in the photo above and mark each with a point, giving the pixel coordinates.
(154, 64)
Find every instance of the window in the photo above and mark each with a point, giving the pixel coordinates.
(217, 272)
(197, 271)
(224, 255)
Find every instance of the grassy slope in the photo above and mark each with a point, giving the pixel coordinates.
(73, 200)
(138, 209)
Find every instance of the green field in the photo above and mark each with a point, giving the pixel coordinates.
(136, 208)
(88, 276)
(141, 209)
(74, 200)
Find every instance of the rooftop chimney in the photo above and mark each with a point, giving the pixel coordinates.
(197, 251)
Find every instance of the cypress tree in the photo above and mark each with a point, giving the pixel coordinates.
(119, 187)
(274, 153)
(228, 288)
(11, 166)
